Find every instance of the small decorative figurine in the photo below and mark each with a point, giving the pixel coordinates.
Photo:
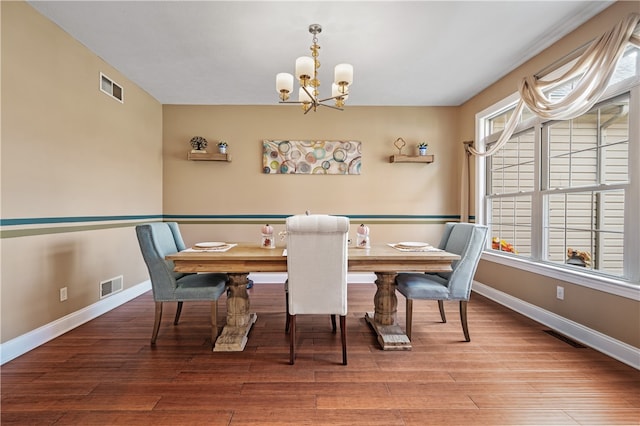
(222, 147)
(198, 144)
(267, 237)
(578, 258)
(399, 144)
(363, 237)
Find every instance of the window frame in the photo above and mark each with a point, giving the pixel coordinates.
(628, 287)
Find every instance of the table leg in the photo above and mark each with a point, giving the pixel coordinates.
(383, 321)
(239, 320)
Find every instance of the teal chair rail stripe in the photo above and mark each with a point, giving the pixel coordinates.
(22, 227)
(280, 219)
(27, 232)
(73, 219)
(284, 216)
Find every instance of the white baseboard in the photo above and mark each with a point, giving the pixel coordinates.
(20, 345)
(281, 277)
(592, 338)
(614, 348)
(268, 277)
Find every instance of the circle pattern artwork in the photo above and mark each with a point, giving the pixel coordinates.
(312, 157)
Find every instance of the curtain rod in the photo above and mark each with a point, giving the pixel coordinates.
(574, 54)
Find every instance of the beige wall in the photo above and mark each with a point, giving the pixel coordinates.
(68, 150)
(240, 187)
(612, 315)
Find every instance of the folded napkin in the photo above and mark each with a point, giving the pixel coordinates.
(216, 249)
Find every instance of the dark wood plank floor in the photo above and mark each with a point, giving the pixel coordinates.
(511, 373)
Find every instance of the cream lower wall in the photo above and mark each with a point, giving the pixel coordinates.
(68, 152)
(609, 314)
(615, 316)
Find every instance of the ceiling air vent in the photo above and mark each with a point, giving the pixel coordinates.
(110, 286)
(111, 88)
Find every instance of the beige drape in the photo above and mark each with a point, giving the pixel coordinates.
(595, 66)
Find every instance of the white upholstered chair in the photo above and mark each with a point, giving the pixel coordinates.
(317, 269)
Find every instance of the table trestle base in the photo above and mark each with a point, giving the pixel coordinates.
(391, 337)
(234, 339)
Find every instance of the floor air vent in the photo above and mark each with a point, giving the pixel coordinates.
(564, 338)
(110, 286)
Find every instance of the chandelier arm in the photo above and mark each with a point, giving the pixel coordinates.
(313, 98)
(333, 97)
(312, 103)
(319, 103)
(332, 107)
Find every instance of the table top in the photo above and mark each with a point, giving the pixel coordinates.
(250, 257)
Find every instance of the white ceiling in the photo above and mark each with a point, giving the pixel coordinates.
(404, 53)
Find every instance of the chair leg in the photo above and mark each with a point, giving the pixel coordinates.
(343, 333)
(178, 312)
(214, 321)
(441, 307)
(409, 314)
(156, 323)
(286, 304)
(463, 320)
(333, 323)
(292, 339)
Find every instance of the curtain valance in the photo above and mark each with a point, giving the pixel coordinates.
(594, 67)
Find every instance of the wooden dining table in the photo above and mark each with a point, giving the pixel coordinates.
(382, 259)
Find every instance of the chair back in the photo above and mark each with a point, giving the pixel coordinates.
(158, 240)
(466, 240)
(317, 264)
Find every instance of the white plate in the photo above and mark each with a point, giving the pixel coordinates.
(211, 244)
(413, 244)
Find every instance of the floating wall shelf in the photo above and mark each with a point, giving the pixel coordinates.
(209, 156)
(411, 159)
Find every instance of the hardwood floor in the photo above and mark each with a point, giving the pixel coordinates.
(511, 373)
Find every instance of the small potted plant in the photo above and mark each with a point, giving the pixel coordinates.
(222, 147)
(422, 148)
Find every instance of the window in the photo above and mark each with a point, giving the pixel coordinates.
(511, 180)
(561, 194)
(585, 186)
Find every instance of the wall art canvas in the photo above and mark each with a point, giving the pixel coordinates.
(312, 157)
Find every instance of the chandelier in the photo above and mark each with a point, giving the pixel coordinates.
(307, 74)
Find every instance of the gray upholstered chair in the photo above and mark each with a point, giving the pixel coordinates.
(158, 240)
(317, 271)
(464, 239)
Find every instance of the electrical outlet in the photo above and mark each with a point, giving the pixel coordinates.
(560, 292)
(63, 294)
